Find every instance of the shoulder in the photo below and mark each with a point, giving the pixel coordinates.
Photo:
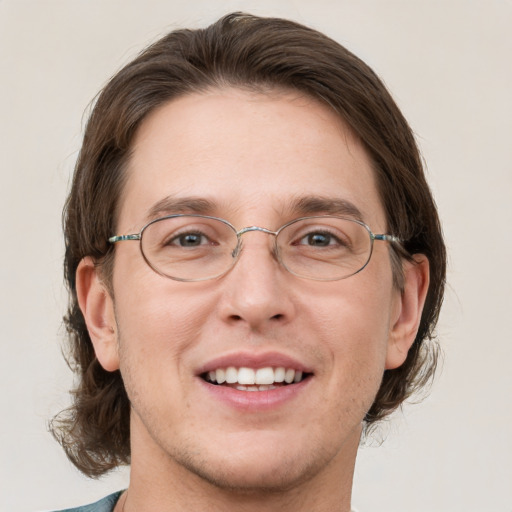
(106, 504)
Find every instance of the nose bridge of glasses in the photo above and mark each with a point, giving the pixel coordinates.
(248, 229)
(255, 228)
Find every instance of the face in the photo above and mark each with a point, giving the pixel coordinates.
(252, 159)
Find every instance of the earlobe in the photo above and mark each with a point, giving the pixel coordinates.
(98, 310)
(408, 310)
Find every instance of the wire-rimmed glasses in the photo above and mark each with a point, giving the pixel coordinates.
(188, 247)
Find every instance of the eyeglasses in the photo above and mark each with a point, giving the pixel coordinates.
(199, 247)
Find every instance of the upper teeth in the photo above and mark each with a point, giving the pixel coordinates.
(249, 376)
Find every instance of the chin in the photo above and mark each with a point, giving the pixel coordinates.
(253, 477)
(258, 467)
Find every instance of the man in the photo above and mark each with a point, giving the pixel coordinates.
(256, 267)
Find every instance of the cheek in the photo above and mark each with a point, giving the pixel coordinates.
(159, 321)
(357, 313)
(355, 323)
(153, 311)
(157, 332)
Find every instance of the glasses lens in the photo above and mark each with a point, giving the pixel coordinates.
(188, 247)
(324, 248)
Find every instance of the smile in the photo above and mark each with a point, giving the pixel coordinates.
(254, 379)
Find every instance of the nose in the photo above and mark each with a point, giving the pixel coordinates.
(257, 291)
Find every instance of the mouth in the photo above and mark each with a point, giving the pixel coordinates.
(255, 379)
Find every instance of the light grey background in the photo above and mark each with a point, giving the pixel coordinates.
(448, 64)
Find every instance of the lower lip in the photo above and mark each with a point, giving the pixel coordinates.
(256, 400)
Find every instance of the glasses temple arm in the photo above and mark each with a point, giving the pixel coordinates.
(388, 238)
(122, 238)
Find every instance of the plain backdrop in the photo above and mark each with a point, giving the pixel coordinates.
(447, 63)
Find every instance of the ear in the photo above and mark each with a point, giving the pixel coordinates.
(408, 310)
(97, 307)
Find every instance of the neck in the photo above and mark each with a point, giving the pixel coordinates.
(159, 482)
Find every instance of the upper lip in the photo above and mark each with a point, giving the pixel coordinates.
(252, 360)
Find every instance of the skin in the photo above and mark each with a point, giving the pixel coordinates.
(251, 155)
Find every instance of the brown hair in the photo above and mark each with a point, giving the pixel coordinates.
(244, 51)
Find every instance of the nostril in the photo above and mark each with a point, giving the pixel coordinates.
(279, 316)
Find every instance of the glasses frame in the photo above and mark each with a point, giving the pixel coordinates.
(236, 252)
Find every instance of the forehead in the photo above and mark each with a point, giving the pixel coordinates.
(249, 157)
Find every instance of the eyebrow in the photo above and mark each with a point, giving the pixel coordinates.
(170, 204)
(315, 205)
(301, 206)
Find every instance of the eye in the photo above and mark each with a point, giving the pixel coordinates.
(190, 239)
(317, 239)
(320, 239)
